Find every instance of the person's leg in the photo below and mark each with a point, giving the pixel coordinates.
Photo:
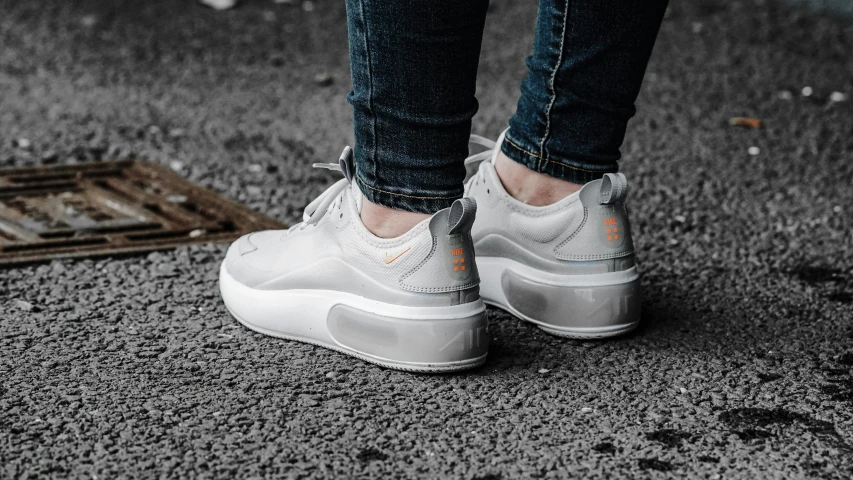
(414, 67)
(400, 257)
(583, 78)
(550, 250)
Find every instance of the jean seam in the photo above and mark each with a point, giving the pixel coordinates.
(551, 87)
(543, 159)
(363, 182)
(373, 127)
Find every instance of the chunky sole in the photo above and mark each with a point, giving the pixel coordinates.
(575, 306)
(414, 339)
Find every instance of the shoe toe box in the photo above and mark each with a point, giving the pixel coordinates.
(250, 259)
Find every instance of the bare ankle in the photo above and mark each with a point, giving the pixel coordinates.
(387, 222)
(532, 188)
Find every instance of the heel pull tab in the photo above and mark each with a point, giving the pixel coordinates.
(347, 164)
(462, 214)
(450, 265)
(614, 188)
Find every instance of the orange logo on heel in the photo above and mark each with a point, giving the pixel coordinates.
(458, 263)
(612, 233)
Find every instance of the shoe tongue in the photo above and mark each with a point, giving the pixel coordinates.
(357, 196)
(498, 144)
(347, 165)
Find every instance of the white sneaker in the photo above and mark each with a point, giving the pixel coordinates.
(409, 303)
(567, 267)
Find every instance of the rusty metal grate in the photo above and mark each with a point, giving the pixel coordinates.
(109, 208)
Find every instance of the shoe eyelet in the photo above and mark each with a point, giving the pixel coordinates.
(342, 215)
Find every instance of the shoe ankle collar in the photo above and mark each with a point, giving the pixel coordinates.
(498, 144)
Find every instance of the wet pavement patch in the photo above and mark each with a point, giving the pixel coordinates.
(654, 464)
(752, 434)
(605, 448)
(833, 284)
(762, 417)
(489, 476)
(816, 274)
(110, 208)
(668, 437)
(768, 377)
(840, 386)
(841, 391)
(840, 297)
(371, 454)
(751, 424)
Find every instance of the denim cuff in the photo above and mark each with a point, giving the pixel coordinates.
(405, 200)
(569, 170)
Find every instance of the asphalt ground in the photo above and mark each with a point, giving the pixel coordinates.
(131, 367)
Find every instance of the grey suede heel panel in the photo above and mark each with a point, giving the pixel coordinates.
(450, 265)
(605, 232)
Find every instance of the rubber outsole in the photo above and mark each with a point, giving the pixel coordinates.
(620, 330)
(573, 333)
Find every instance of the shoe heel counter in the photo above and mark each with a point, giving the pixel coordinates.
(605, 232)
(450, 264)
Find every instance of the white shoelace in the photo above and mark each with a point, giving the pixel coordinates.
(318, 207)
(477, 158)
(484, 155)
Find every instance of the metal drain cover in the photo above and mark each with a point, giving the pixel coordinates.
(108, 208)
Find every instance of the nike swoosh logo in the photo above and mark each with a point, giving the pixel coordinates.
(389, 259)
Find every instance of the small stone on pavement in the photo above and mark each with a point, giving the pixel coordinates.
(323, 79)
(219, 4)
(837, 97)
(24, 305)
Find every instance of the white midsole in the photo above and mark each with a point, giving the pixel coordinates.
(491, 269)
(303, 313)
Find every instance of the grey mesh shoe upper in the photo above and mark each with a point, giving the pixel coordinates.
(586, 232)
(333, 250)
